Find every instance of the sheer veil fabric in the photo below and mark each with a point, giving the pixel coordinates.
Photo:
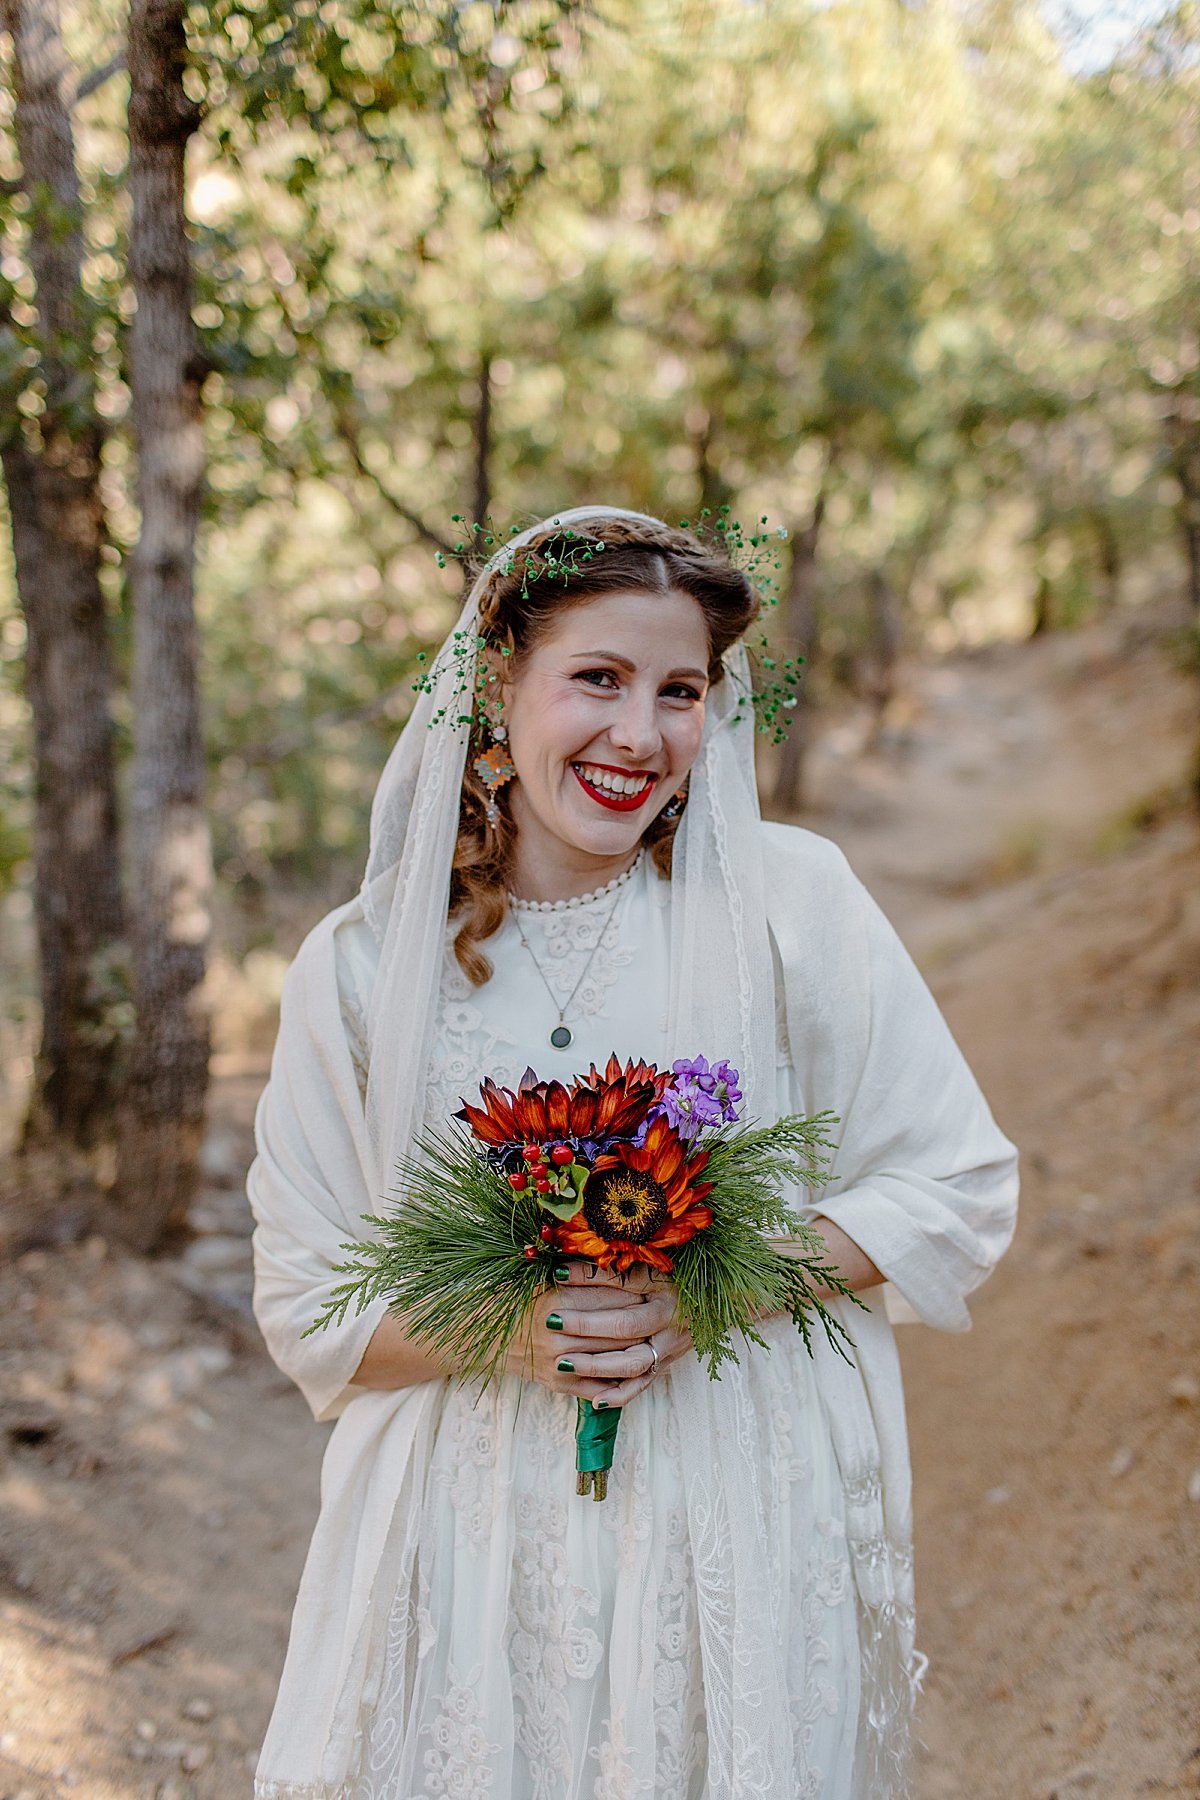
(927, 1189)
(716, 890)
(719, 925)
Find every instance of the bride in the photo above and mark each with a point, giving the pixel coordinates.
(567, 860)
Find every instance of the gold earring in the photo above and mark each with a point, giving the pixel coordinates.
(675, 804)
(494, 767)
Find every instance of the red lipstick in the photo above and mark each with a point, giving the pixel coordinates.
(617, 802)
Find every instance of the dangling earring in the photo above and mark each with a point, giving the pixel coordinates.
(675, 804)
(494, 767)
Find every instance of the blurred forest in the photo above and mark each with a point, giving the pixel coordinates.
(918, 283)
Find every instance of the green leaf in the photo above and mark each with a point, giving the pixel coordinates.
(562, 1209)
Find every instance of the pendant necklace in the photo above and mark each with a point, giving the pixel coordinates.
(562, 1035)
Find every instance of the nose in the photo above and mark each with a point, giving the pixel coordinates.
(635, 728)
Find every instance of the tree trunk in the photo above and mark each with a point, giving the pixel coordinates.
(163, 1117)
(1189, 482)
(1109, 552)
(801, 625)
(483, 442)
(712, 490)
(1183, 443)
(886, 638)
(57, 528)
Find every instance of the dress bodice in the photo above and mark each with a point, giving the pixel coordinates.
(603, 956)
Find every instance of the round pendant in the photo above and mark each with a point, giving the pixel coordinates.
(560, 1037)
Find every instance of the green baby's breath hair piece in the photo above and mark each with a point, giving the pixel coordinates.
(773, 694)
(563, 553)
(558, 556)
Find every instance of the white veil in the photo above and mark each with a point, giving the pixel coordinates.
(718, 917)
(718, 909)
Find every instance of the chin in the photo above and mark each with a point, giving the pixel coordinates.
(607, 841)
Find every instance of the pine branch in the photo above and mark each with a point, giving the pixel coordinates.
(451, 1258)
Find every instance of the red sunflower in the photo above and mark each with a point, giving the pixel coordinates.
(639, 1203)
(607, 1105)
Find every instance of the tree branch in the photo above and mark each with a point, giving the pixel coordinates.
(96, 78)
(348, 433)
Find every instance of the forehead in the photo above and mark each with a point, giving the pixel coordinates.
(631, 622)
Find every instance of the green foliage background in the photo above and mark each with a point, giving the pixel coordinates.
(914, 259)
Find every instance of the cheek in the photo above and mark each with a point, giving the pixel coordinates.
(685, 738)
(551, 723)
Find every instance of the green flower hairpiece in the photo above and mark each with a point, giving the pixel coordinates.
(773, 695)
(564, 554)
(559, 556)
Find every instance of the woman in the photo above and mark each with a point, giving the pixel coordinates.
(735, 1620)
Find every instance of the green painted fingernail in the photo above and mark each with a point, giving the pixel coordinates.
(562, 1273)
(565, 1366)
(553, 1322)
(599, 1406)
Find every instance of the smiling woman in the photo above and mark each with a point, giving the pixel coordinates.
(600, 686)
(597, 733)
(736, 1619)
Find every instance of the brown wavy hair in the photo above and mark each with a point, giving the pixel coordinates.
(517, 609)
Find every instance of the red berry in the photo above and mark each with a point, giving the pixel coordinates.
(542, 1183)
(562, 1153)
(546, 1233)
(532, 1153)
(529, 1252)
(518, 1180)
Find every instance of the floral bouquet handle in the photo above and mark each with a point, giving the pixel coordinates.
(595, 1446)
(609, 1170)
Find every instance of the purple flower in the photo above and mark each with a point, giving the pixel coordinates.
(727, 1090)
(696, 1071)
(700, 1096)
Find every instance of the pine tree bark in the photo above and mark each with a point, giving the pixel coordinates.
(801, 625)
(482, 496)
(886, 642)
(1188, 471)
(163, 1115)
(52, 481)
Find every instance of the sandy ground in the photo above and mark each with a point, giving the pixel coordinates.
(158, 1479)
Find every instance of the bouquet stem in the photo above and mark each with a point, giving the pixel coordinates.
(595, 1441)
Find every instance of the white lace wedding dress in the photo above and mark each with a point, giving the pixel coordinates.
(536, 1635)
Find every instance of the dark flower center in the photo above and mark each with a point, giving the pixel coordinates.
(623, 1203)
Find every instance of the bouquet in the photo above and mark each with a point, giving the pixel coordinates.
(632, 1165)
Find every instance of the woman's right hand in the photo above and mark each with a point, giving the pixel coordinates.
(605, 1325)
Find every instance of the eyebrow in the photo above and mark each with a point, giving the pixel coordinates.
(623, 662)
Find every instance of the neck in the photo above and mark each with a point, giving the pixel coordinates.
(538, 873)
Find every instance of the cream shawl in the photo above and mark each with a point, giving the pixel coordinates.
(924, 1181)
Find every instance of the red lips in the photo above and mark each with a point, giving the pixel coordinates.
(617, 802)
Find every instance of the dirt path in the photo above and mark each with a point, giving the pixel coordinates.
(1056, 1448)
(158, 1479)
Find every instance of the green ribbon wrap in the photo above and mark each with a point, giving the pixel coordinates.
(595, 1442)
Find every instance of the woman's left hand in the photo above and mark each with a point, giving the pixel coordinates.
(669, 1336)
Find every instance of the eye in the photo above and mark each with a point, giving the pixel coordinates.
(595, 677)
(684, 690)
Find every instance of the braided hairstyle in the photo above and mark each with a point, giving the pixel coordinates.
(517, 609)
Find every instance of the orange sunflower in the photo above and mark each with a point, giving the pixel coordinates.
(638, 1203)
(607, 1105)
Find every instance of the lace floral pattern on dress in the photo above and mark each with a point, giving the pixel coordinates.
(606, 1627)
(471, 1042)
